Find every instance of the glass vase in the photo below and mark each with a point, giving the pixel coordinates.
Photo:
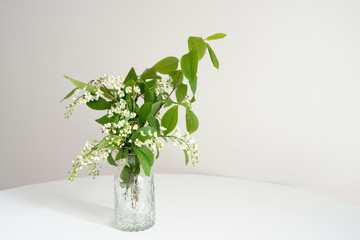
(134, 197)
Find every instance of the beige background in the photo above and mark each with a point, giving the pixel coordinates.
(284, 107)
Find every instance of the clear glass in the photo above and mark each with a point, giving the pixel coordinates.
(134, 200)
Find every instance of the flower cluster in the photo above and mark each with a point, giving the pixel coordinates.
(152, 142)
(83, 96)
(186, 143)
(89, 158)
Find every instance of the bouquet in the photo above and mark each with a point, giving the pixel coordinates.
(133, 122)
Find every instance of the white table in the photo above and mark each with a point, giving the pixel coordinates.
(187, 207)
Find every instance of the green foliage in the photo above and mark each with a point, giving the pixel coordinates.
(189, 66)
(144, 112)
(80, 84)
(145, 130)
(198, 44)
(100, 104)
(170, 119)
(167, 65)
(69, 94)
(111, 160)
(105, 119)
(192, 122)
(150, 74)
(120, 155)
(155, 107)
(181, 92)
(213, 57)
(154, 123)
(177, 77)
(131, 76)
(125, 173)
(148, 95)
(186, 157)
(140, 105)
(216, 36)
(146, 158)
(167, 103)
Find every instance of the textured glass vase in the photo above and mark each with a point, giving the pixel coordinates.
(134, 199)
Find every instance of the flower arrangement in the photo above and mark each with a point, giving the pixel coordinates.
(133, 123)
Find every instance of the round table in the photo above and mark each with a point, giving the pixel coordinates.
(187, 207)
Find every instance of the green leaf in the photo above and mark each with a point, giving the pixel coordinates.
(106, 93)
(69, 94)
(100, 104)
(105, 119)
(148, 96)
(150, 74)
(193, 99)
(213, 57)
(125, 173)
(80, 84)
(144, 111)
(103, 143)
(198, 44)
(154, 123)
(192, 122)
(186, 157)
(131, 76)
(181, 92)
(155, 107)
(167, 65)
(216, 36)
(177, 77)
(170, 119)
(193, 85)
(167, 103)
(111, 160)
(189, 65)
(146, 158)
(88, 87)
(120, 155)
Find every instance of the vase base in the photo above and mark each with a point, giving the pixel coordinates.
(136, 229)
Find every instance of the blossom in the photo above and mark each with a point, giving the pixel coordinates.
(126, 113)
(121, 93)
(128, 90)
(137, 90)
(132, 115)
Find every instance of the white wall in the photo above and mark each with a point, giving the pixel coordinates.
(284, 106)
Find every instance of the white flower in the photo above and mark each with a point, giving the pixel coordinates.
(149, 133)
(155, 134)
(137, 89)
(128, 89)
(132, 115)
(122, 101)
(121, 93)
(117, 110)
(135, 127)
(163, 128)
(99, 93)
(126, 113)
(142, 133)
(120, 79)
